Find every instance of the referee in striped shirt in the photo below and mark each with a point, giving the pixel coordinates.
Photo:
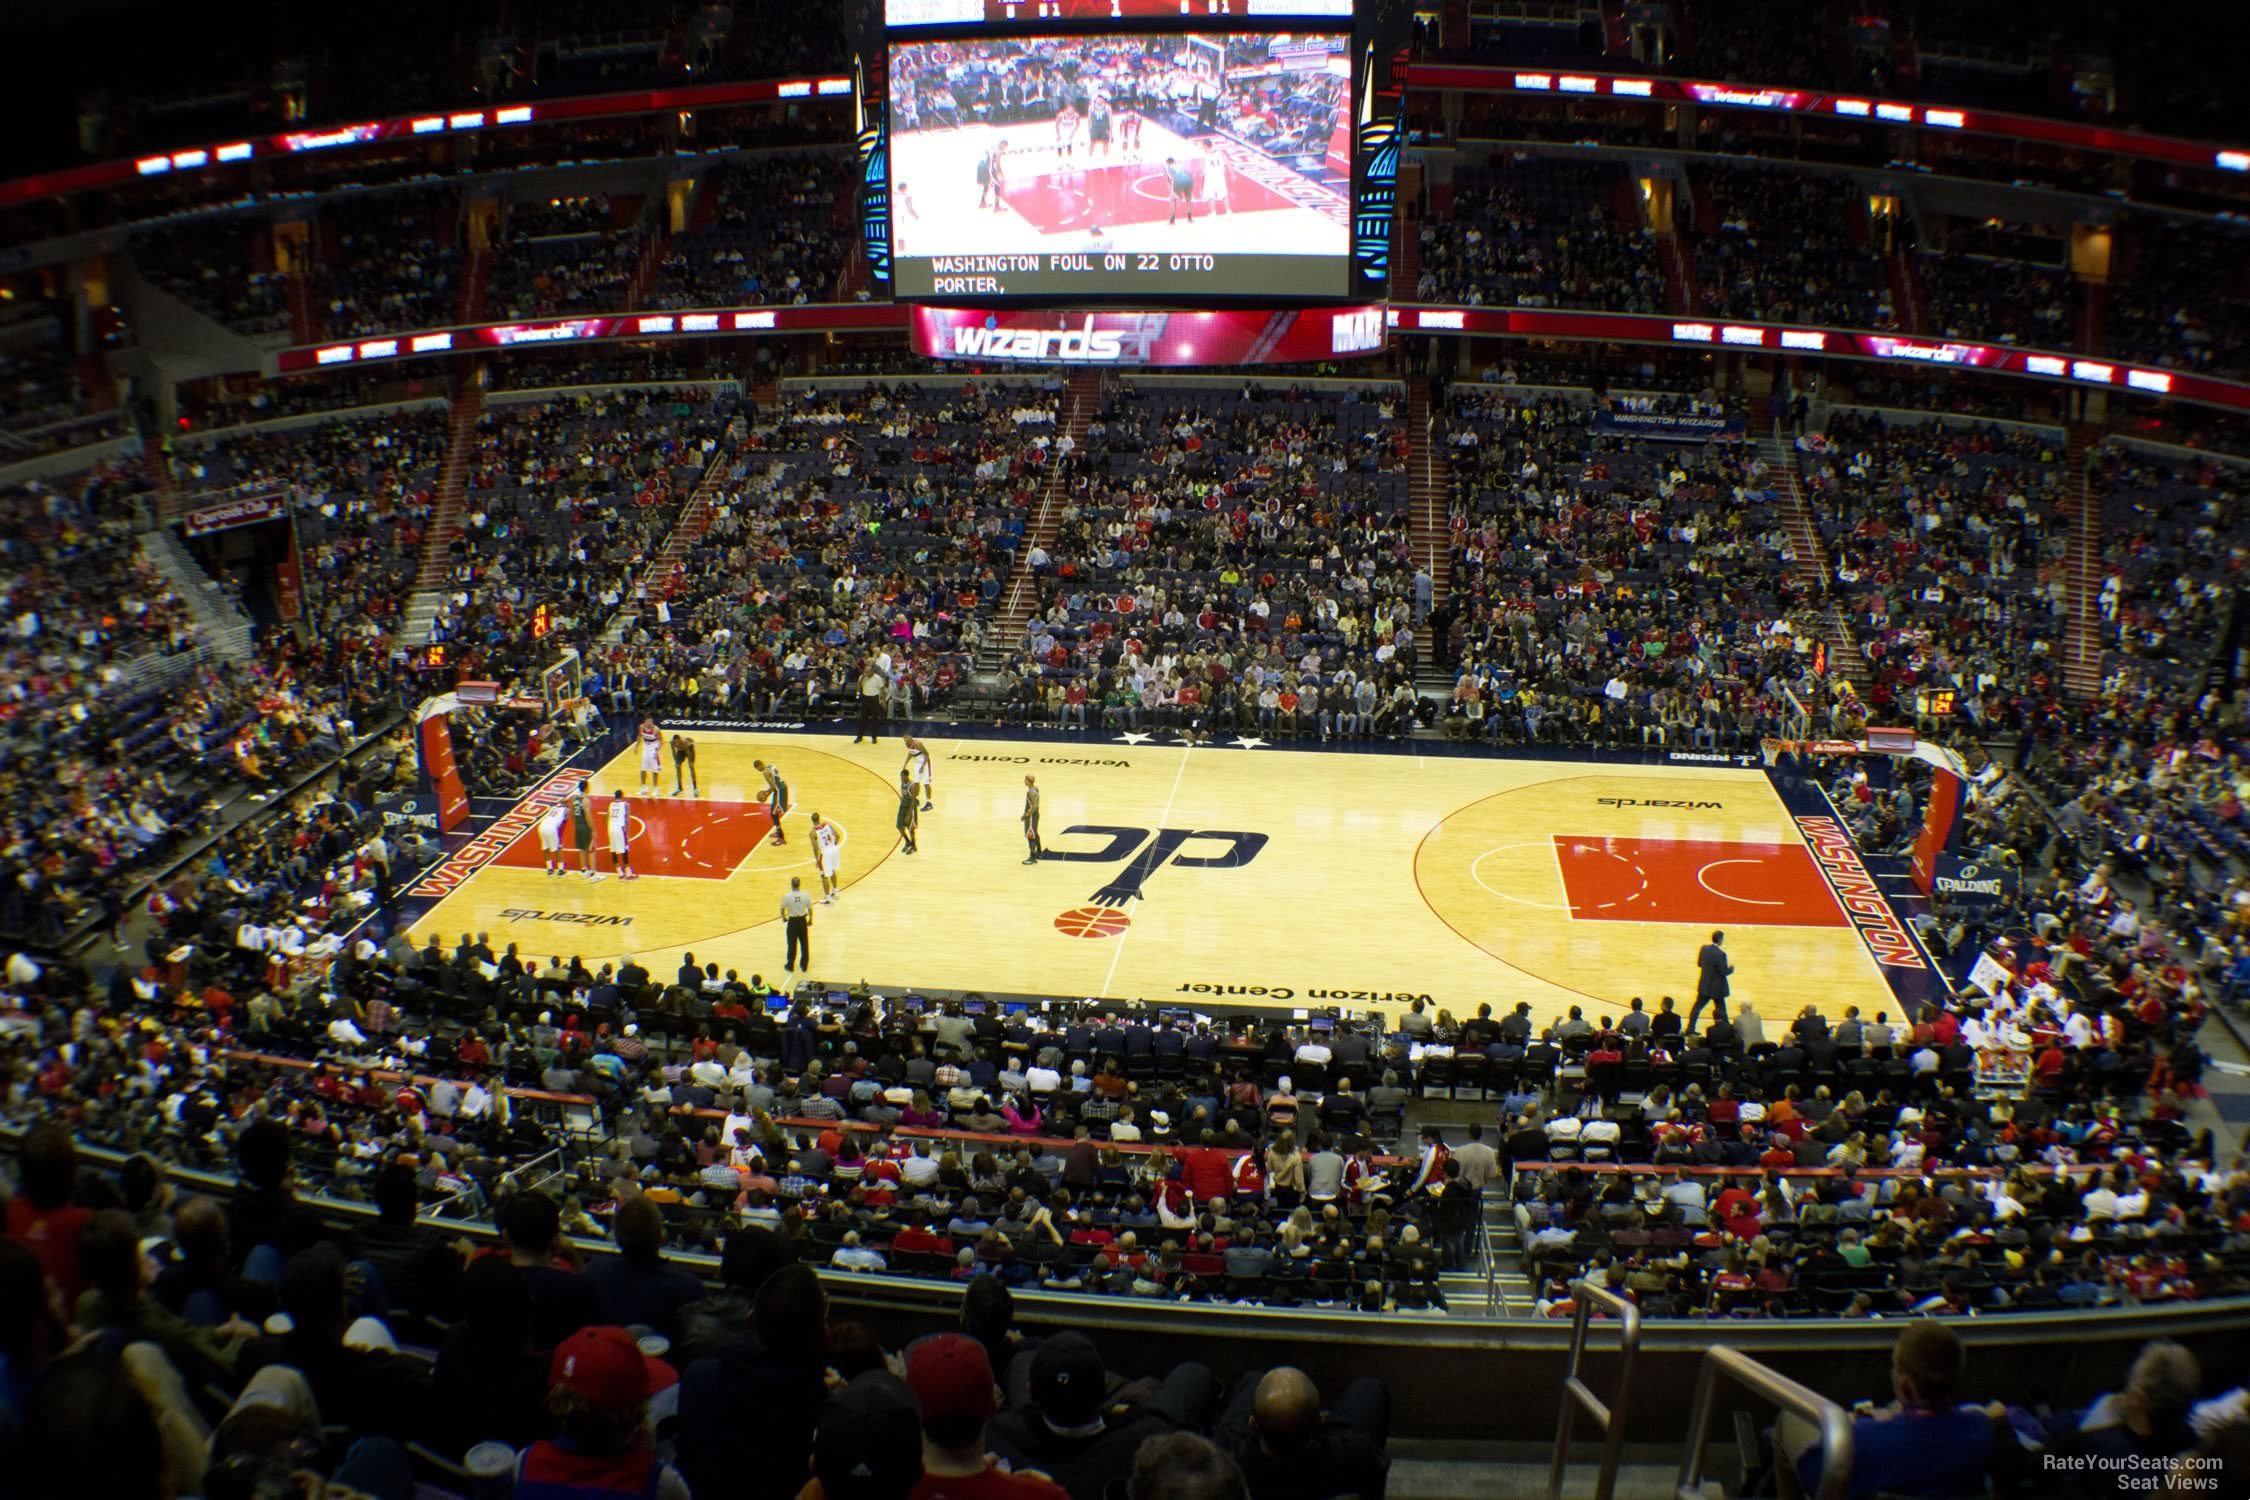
(796, 917)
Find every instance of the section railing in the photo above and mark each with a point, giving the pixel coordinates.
(1733, 1367)
(1609, 1416)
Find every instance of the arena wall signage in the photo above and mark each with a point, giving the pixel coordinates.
(2006, 359)
(1232, 337)
(1975, 883)
(221, 154)
(1254, 336)
(1780, 99)
(417, 810)
(1667, 427)
(1822, 104)
(247, 510)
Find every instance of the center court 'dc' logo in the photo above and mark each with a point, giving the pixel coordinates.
(1103, 916)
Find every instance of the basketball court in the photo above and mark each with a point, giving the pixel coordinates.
(1238, 873)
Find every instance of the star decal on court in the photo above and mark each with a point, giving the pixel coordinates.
(1249, 741)
(1133, 737)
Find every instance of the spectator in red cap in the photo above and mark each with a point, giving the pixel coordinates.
(598, 1389)
(951, 1376)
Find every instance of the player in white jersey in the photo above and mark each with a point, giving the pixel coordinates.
(828, 853)
(652, 757)
(1066, 130)
(620, 852)
(1215, 180)
(918, 762)
(550, 837)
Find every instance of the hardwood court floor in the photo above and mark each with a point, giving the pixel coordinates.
(1256, 874)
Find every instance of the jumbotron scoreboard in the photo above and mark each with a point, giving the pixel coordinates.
(1052, 154)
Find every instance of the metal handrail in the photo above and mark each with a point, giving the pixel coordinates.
(1609, 1416)
(529, 1176)
(1722, 1362)
(1493, 1307)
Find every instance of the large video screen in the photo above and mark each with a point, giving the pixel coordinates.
(1114, 166)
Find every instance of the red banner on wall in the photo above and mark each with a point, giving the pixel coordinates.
(1240, 336)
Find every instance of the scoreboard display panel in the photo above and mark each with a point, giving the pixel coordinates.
(904, 13)
(1100, 164)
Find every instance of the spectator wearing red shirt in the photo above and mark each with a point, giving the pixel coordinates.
(1726, 1109)
(1247, 1177)
(1207, 1171)
(1737, 1208)
(951, 1377)
(220, 1004)
(918, 1238)
(42, 1218)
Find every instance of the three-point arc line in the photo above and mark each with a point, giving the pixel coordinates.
(1563, 905)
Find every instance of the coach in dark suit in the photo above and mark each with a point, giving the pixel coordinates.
(1712, 971)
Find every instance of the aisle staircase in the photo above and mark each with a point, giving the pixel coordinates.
(220, 624)
(1681, 294)
(1808, 556)
(157, 464)
(853, 275)
(445, 517)
(694, 521)
(2093, 315)
(2082, 643)
(1081, 400)
(1503, 1288)
(645, 267)
(473, 277)
(1906, 293)
(305, 325)
(1429, 496)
